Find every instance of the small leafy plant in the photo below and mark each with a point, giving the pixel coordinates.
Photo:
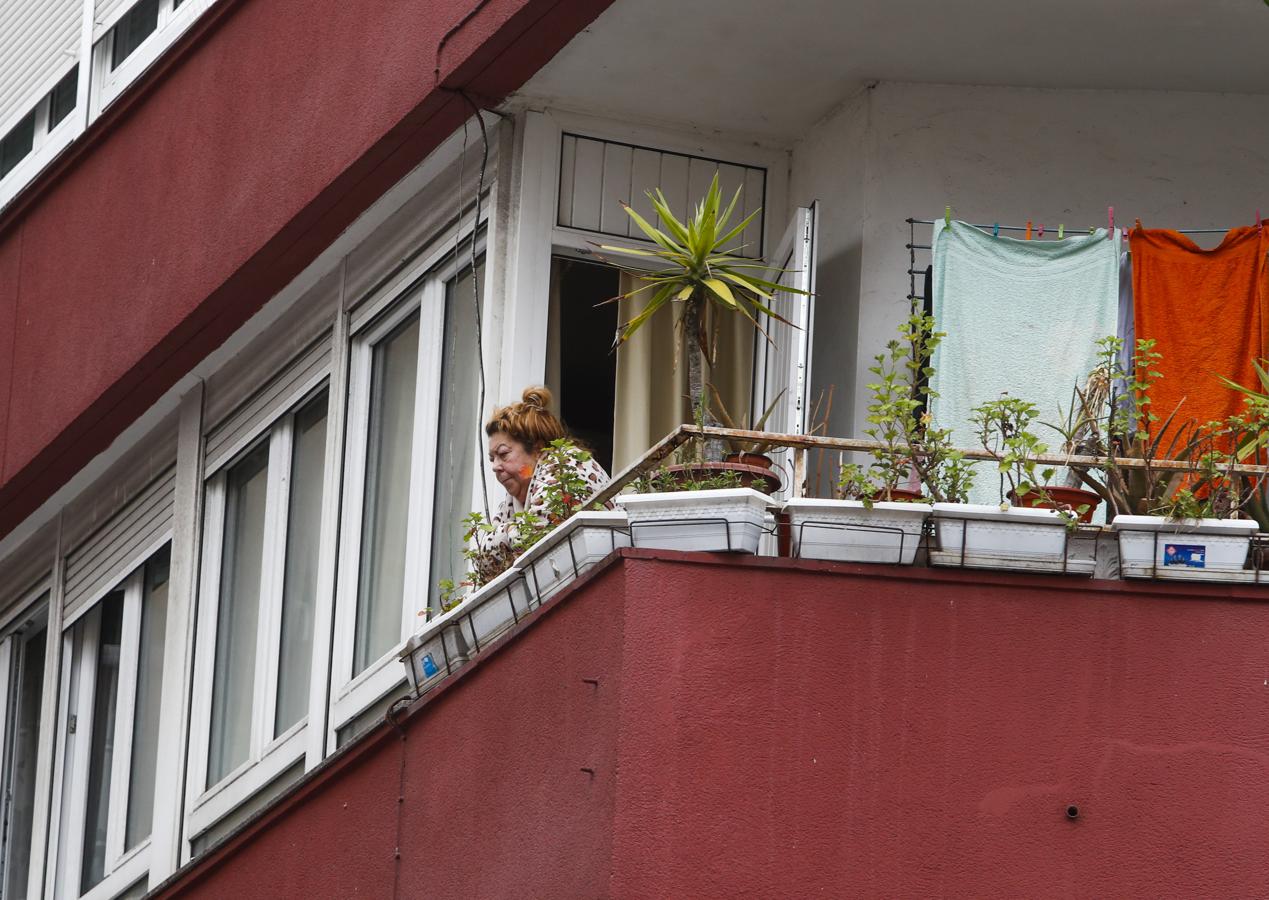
(898, 421)
(1003, 427)
(560, 466)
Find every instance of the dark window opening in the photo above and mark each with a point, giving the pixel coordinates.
(17, 143)
(61, 100)
(587, 380)
(136, 25)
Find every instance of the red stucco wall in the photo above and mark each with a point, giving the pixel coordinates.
(261, 137)
(785, 729)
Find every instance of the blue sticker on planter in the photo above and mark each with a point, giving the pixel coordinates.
(429, 666)
(1189, 555)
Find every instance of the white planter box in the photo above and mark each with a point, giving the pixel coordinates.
(714, 521)
(452, 638)
(848, 530)
(1190, 549)
(977, 536)
(572, 548)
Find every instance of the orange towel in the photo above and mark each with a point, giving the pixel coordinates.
(1207, 311)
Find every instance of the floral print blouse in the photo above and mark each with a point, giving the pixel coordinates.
(497, 547)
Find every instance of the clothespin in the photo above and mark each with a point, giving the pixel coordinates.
(1138, 225)
(1040, 236)
(1110, 222)
(1260, 223)
(995, 230)
(1028, 229)
(947, 217)
(1061, 231)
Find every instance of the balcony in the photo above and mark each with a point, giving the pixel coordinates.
(709, 725)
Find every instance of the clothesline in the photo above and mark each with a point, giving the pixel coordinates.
(1034, 227)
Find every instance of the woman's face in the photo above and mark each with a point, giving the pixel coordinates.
(512, 464)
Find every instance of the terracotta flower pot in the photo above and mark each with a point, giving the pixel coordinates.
(760, 460)
(760, 479)
(899, 495)
(1060, 498)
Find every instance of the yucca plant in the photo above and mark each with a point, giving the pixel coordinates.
(701, 273)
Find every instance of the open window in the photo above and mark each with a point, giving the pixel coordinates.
(782, 364)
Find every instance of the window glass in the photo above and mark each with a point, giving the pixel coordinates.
(381, 581)
(145, 724)
(238, 617)
(102, 743)
(17, 143)
(27, 680)
(136, 25)
(458, 435)
(61, 100)
(299, 596)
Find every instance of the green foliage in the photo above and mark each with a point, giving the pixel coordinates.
(900, 389)
(663, 481)
(1113, 417)
(559, 468)
(1003, 429)
(699, 262)
(695, 265)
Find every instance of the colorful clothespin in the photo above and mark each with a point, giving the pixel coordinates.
(1041, 233)
(1138, 225)
(1260, 223)
(1028, 229)
(995, 230)
(1061, 231)
(947, 217)
(1110, 222)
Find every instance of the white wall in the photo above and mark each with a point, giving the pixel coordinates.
(1176, 160)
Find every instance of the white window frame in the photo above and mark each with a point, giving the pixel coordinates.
(268, 756)
(420, 288)
(47, 142)
(107, 85)
(30, 612)
(79, 671)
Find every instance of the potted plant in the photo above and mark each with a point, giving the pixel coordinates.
(696, 269)
(709, 511)
(1007, 536)
(874, 519)
(1196, 533)
(1168, 523)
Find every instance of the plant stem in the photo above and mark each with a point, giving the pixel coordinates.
(694, 336)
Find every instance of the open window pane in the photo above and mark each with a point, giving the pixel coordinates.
(145, 734)
(19, 783)
(101, 746)
(381, 581)
(299, 597)
(458, 435)
(239, 612)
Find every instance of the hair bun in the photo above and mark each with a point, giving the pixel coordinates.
(537, 397)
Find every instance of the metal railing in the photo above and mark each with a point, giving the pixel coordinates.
(801, 443)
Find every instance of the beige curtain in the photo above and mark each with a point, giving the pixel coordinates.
(652, 379)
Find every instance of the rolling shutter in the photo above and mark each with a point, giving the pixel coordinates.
(112, 552)
(39, 43)
(261, 410)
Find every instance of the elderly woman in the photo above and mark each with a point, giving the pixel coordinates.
(519, 435)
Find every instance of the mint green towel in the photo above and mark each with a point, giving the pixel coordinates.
(1022, 317)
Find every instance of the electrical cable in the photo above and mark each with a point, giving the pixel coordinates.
(475, 279)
